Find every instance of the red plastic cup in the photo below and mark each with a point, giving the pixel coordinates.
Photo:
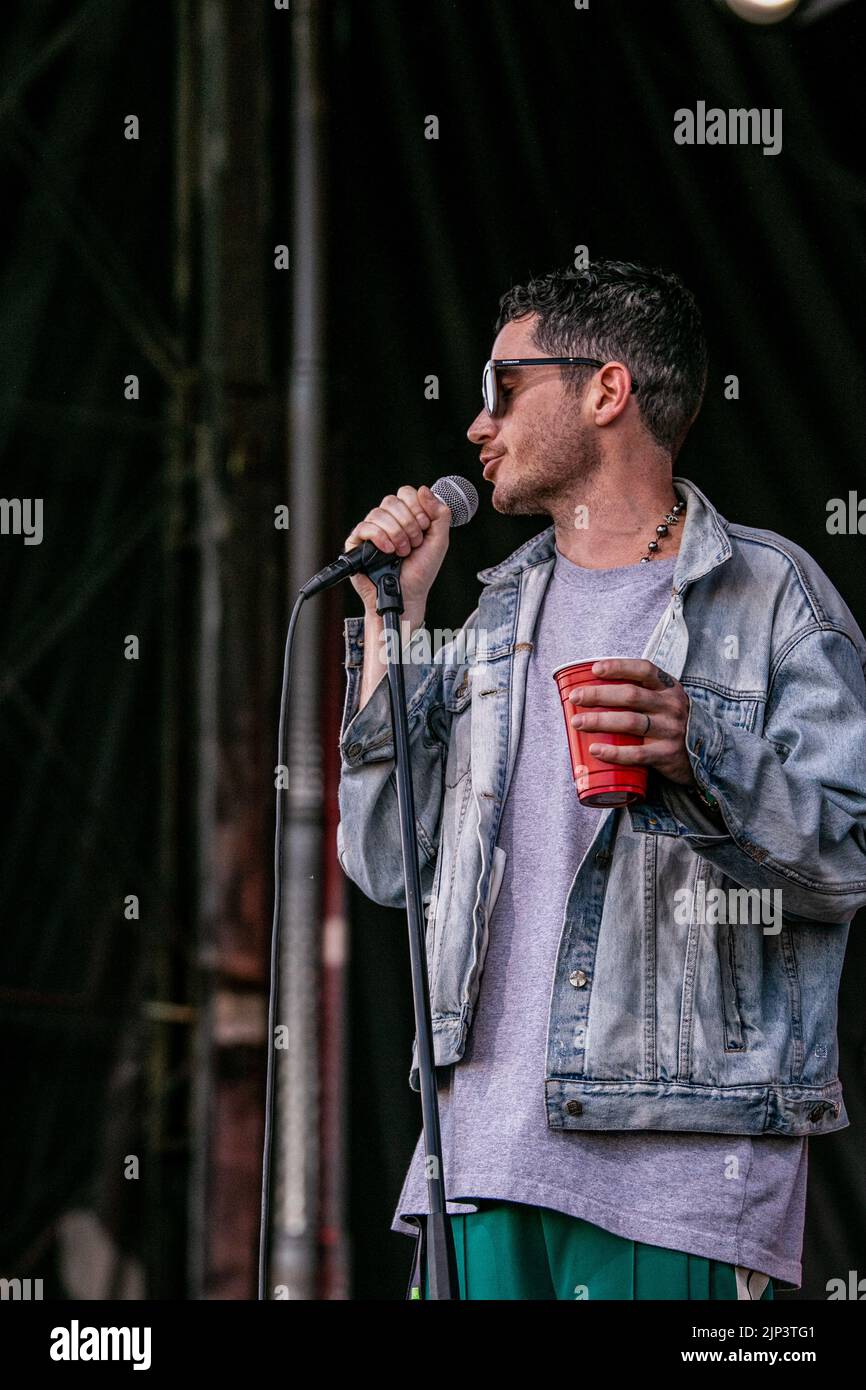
(598, 783)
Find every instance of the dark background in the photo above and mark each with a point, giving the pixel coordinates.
(555, 130)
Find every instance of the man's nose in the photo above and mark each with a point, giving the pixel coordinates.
(482, 428)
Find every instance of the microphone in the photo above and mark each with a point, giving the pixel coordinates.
(458, 494)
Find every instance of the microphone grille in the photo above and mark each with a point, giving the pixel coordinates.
(458, 494)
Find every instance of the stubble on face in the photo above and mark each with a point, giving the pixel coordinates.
(558, 457)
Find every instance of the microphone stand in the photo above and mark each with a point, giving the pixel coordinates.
(439, 1254)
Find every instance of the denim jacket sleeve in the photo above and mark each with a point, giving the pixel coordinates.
(368, 835)
(793, 797)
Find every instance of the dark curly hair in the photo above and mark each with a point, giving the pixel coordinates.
(642, 316)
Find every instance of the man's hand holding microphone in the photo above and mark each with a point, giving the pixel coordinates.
(415, 524)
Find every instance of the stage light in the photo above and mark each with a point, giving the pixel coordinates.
(763, 11)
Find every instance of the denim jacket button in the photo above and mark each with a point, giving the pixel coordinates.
(354, 750)
(578, 979)
(574, 1107)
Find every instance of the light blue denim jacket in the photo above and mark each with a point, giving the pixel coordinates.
(658, 1019)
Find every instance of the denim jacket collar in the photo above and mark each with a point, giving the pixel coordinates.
(705, 544)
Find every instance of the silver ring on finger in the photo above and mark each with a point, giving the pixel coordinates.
(647, 729)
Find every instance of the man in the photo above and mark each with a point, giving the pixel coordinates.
(634, 1008)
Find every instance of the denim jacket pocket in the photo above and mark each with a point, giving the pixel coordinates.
(732, 1022)
(458, 703)
(454, 818)
(431, 929)
(739, 709)
(790, 956)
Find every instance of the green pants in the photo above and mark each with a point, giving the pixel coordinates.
(511, 1250)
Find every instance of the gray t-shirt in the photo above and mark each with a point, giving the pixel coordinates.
(726, 1197)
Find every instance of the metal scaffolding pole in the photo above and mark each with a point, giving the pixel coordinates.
(296, 1202)
(164, 1043)
(209, 446)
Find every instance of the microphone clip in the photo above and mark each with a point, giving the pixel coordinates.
(385, 574)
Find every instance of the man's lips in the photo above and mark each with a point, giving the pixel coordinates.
(488, 462)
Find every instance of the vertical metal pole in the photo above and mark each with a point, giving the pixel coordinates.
(209, 446)
(160, 983)
(296, 1188)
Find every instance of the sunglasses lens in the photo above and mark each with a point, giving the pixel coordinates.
(488, 388)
